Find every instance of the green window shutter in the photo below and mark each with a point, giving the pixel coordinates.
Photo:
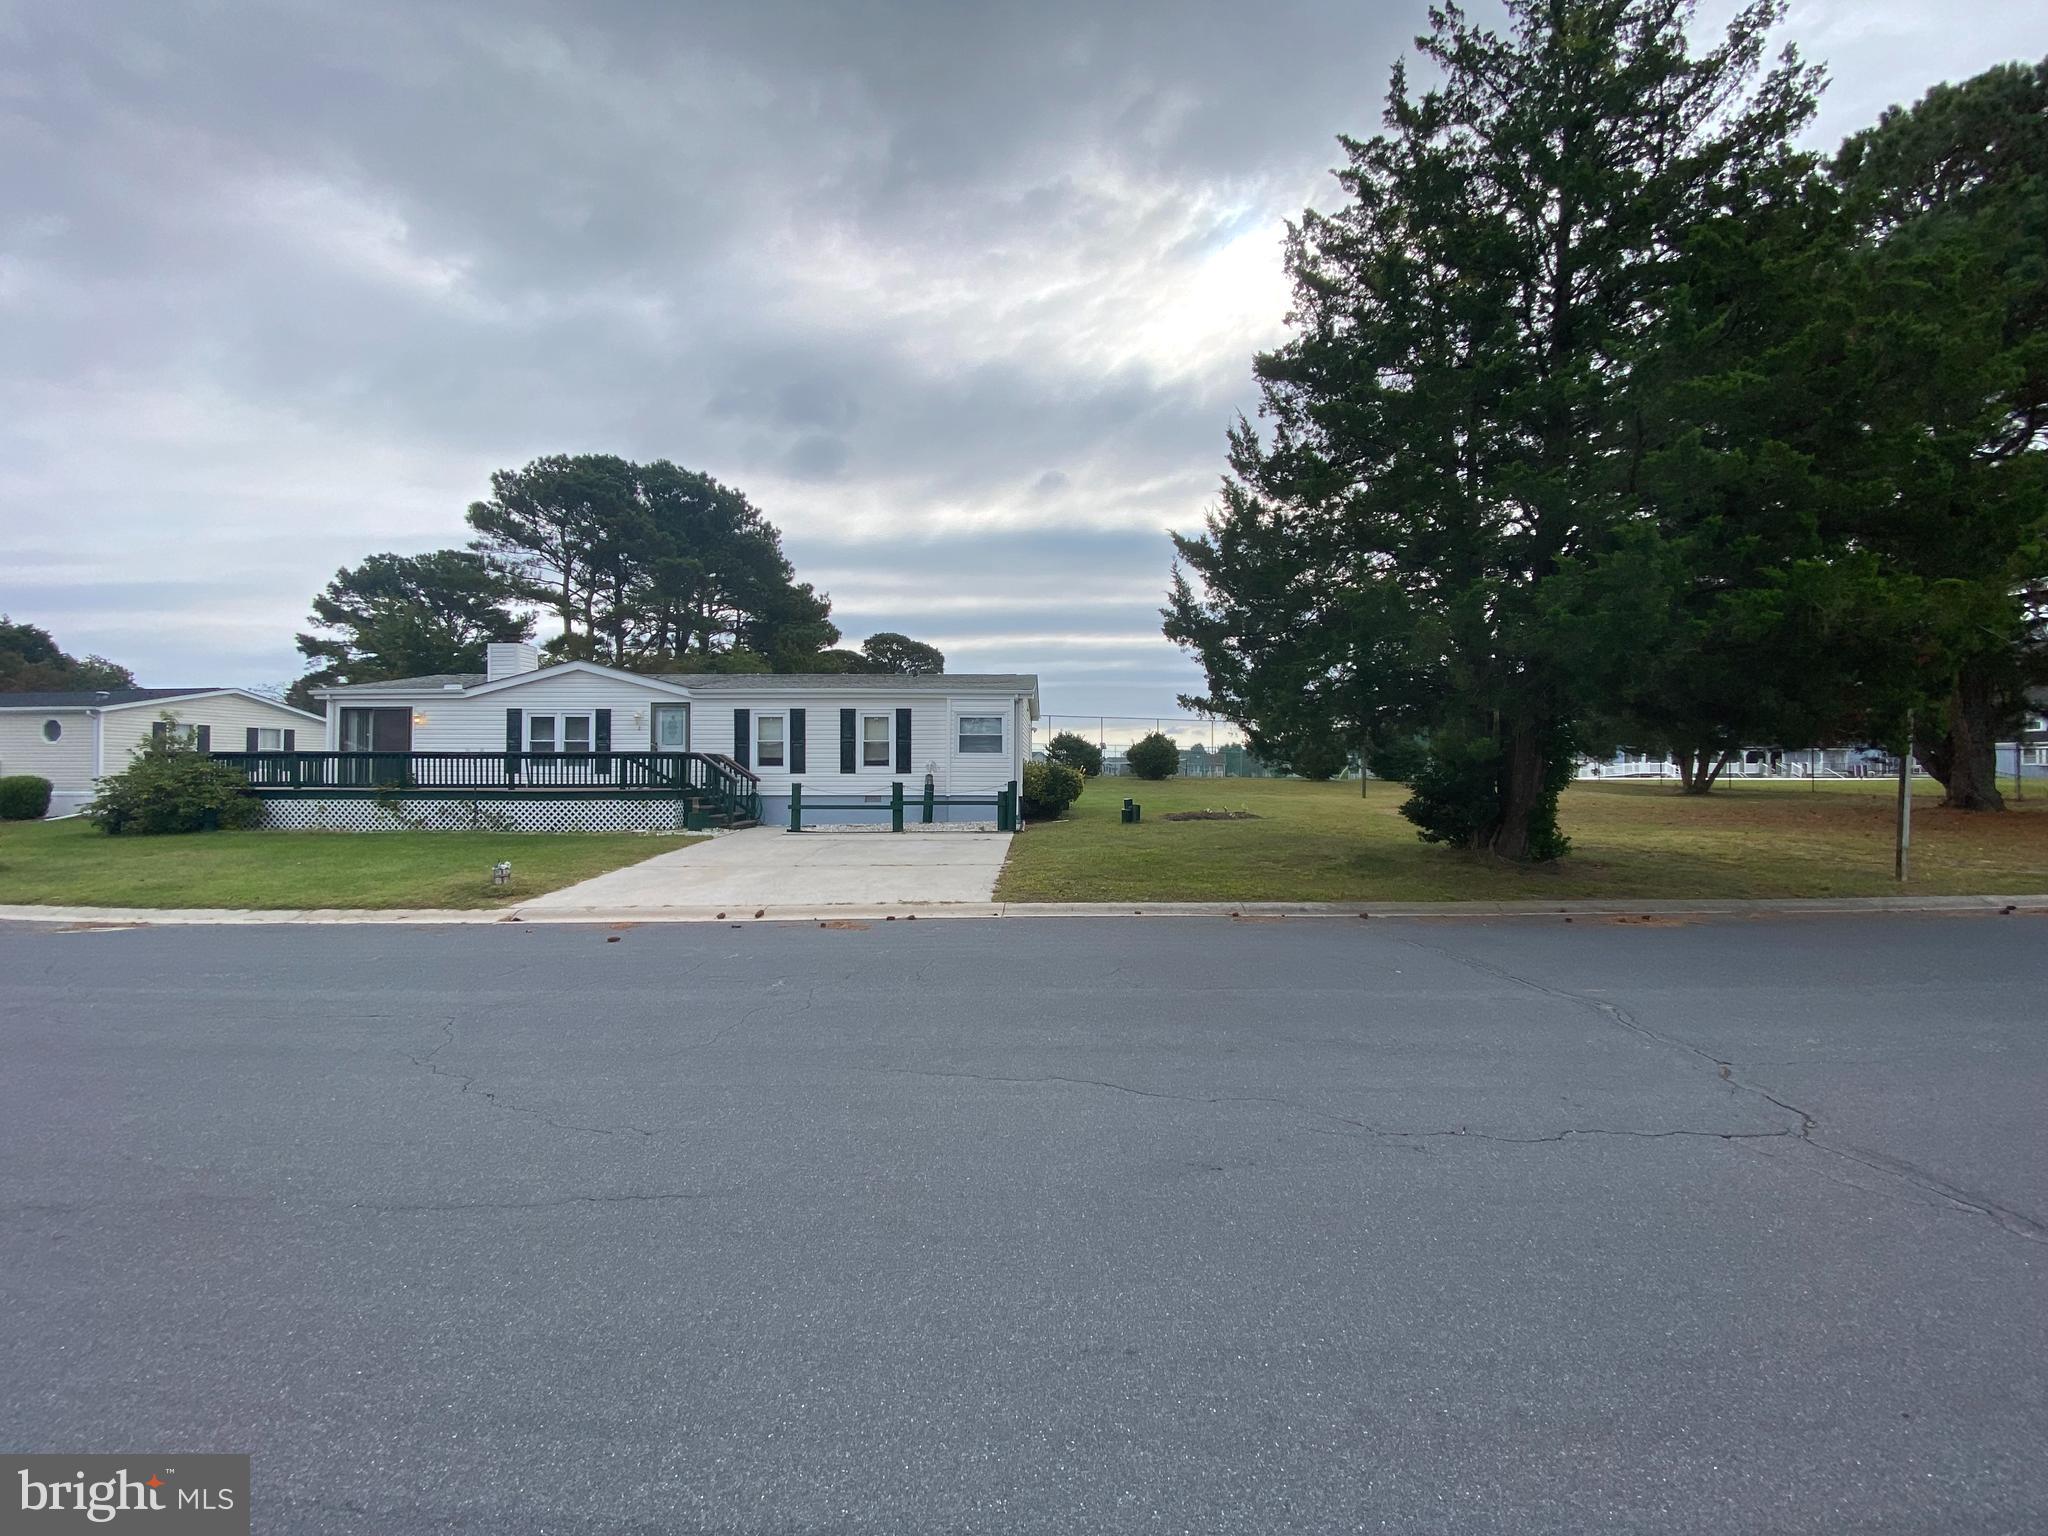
(249, 744)
(291, 740)
(514, 723)
(903, 741)
(601, 741)
(796, 741)
(847, 726)
(205, 734)
(741, 720)
(159, 729)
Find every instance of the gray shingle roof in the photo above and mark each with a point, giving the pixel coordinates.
(833, 682)
(433, 682)
(749, 682)
(94, 698)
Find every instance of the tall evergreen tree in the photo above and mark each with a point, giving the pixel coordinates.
(1946, 353)
(888, 651)
(648, 564)
(407, 616)
(1456, 415)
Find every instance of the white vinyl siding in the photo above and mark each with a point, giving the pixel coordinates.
(65, 762)
(449, 722)
(227, 718)
(453, 722)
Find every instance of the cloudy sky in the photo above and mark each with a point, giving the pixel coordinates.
(962, 295)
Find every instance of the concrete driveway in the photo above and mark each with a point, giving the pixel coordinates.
(766, 867)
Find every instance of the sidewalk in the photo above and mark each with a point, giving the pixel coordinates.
(537, 912)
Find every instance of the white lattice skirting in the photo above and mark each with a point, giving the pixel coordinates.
(579, 814)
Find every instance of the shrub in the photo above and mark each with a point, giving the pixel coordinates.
(169, 787)
(1455, 797)
(1321, 758)
(1048, 789)
(24, 797)
(1153, 757)
(1076, 752)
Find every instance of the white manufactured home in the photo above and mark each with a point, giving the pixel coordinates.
(589, 747)
(75, 739)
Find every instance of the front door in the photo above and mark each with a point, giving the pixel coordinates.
(671, 727)
(377, 730)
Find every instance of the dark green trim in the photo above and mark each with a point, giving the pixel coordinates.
(796, 741)
(512, 796)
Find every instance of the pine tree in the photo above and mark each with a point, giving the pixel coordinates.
(1456, 415)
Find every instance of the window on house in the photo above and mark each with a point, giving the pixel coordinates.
(874, 741)
(558, 733)
(269, 738)
(768, 741)
(52, 729)
(981, 733)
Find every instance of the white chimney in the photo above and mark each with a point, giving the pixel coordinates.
(509, 659)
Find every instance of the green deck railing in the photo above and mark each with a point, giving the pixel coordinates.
(709, 777)
(1003, 803)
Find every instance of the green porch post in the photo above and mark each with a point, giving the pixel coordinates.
(796, 807)
(927, 799)
(896, 806)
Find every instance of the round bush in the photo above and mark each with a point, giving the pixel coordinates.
(1076, 752)
(167, 787)
(24, 797)
(1153, 757)
(1048, 789)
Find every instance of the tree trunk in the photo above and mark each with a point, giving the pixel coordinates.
(1962, 750)
(1521, 792)
(1699, 768)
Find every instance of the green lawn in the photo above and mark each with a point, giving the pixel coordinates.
(1322, 842)
(72, 863)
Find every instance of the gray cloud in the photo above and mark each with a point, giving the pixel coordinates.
(963, 296)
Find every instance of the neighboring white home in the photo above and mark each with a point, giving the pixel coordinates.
(842, 736)
(76, 739)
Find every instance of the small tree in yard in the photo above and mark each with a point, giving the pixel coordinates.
(1076, 752)
(168, 786)
(1153, 757)
(1048, 789)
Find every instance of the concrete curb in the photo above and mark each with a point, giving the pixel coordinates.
(908, 911)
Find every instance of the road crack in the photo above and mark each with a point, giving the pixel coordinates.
(2007, 1218)
(1353, 1127)
(497, 1100)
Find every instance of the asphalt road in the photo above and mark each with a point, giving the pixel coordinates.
(1153, 1226)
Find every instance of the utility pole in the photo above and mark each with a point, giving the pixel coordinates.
(1901, 860)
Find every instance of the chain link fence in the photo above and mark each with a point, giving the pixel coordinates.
(1209, 749)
